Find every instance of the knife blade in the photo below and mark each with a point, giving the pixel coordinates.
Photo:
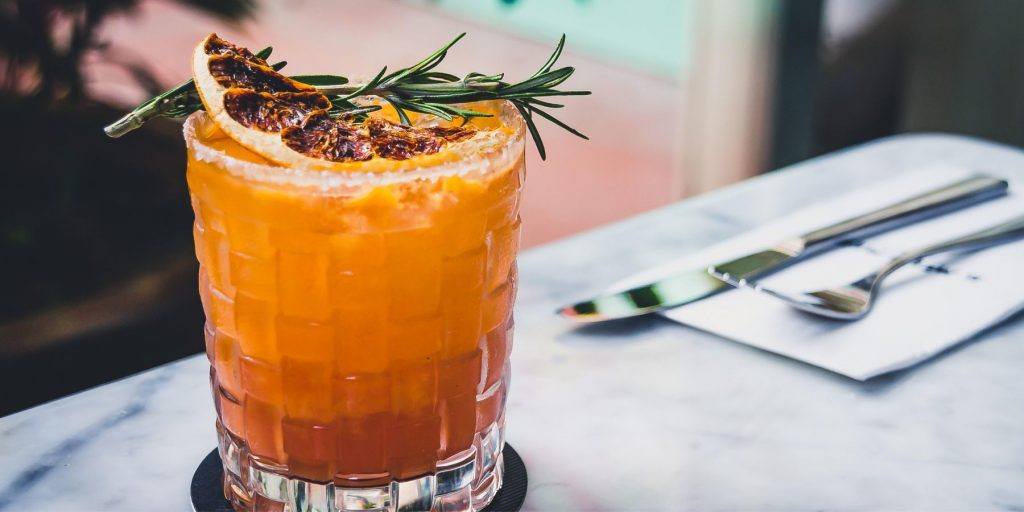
(696, 284)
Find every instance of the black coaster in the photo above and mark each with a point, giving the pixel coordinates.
(208, 485)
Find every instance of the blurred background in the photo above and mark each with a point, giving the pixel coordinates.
(689, 96)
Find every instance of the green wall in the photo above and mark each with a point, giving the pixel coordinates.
(649, 35)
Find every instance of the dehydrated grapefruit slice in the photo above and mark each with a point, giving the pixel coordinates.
(271, 112)
(399, 142)
(246, 98)
(321, 136)
(287, 122)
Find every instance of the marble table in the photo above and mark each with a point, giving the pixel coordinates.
(638, 415)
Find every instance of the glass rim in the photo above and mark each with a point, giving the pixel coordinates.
(479, 156)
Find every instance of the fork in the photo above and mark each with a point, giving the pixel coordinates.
(853, 301)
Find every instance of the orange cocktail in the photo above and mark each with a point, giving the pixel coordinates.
(358, 323)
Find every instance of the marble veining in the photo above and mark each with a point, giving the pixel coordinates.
(45, 463)
(641, 414)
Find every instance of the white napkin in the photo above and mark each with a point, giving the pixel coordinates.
(919, 313)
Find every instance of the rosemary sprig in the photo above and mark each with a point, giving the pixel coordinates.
(179, 101)
(418, 88)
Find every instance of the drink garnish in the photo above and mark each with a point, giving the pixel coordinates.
(324, 137)
(321, 120)
(399, 142)
(255, 105)
(272, 112)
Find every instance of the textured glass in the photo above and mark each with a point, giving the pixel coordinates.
(460, 487)
(358, 330)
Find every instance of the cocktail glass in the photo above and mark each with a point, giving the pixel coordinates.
(359, 324)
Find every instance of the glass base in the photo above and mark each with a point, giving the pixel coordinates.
(465, 483)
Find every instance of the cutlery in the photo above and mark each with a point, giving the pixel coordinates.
(696, 284)
(854, 301)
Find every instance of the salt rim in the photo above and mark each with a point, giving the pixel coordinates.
(486, 151)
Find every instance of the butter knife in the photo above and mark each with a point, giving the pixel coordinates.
(697, 284)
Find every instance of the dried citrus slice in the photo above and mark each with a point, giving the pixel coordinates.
(250, 101)
(288, 122)
(321, 136)
(390, 140)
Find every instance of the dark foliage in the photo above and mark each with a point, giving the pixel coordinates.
(43, 42)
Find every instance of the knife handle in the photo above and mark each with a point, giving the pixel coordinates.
(925, 206)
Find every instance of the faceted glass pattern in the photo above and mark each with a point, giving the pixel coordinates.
(359, 339)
